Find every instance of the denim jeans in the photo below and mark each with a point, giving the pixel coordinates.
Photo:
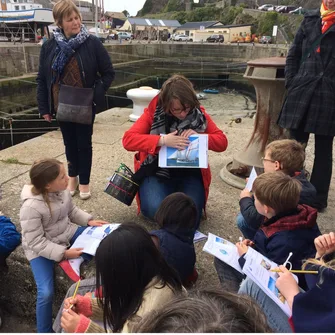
(154, 190)
(78, 149)
(246, 230)
(230, 278)
(277, 319)
(43, 271)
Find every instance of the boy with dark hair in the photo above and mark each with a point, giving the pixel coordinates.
(287, 156)
(288, 226)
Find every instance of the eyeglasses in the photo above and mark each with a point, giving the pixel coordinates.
(267, 160)
(178, 111)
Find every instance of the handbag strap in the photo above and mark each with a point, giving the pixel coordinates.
(315, 44)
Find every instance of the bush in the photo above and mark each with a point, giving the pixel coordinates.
(266, 23)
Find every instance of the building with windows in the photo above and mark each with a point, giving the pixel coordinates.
(200, 31)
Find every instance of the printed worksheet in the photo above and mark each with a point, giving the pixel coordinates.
(223, 250)
(251, 179)
(92, 236)
(257, 267)
(198, 236)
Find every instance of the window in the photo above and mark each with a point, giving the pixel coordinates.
(23, 7)
(17, 7)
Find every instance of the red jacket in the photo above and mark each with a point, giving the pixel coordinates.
(138, 138)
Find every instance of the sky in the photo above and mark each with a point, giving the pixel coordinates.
(132, 6)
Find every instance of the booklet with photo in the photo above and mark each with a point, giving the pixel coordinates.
(257, 267)
(91, 237)
(194, 156)
(223, 250)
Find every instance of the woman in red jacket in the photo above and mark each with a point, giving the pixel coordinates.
(176, 112)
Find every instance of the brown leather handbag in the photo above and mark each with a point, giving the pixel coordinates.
(75, 104)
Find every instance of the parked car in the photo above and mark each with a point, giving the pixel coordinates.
(272, 9)
(215, 38)
(124, 36)
(265, 7)
(265, 40)
(182, 37)
(278, 8)
(286, 9)
(299, 10)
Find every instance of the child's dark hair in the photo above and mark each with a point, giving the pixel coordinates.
(277, 190)
(177, 210)
(127, 260)
(206, 311)
(42, 173)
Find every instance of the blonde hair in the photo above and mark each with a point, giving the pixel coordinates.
(62, 9)
(326, 262)
(178, 87)
(277, 190)
(289, 153)
(41, 174)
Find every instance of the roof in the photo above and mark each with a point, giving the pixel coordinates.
(116, 15)
(233, 25)
(153, 22)
(197, 25)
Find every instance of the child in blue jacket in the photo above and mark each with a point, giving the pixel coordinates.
(177, 216)
(10, 238)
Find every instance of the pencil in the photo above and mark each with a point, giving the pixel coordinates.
(297, 271)
(75, 293)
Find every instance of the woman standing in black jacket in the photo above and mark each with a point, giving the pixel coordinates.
(74, 58)
(310, 103)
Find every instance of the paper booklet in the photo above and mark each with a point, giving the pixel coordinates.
(194, 156)
(91, 237)
(251, 179)
(198, 236)
(256, 267)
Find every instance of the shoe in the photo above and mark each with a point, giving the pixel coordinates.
(75, 190)
(84, 195)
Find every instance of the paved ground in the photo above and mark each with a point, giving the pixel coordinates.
(108, 154)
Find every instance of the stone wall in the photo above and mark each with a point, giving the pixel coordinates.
(19, 60)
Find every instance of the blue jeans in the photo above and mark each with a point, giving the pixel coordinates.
(43, 271)
(246, 230)
(277, 319)
(154, 190)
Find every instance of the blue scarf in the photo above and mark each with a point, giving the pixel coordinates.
(66, 48)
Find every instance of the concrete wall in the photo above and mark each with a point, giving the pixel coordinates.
(18, 60)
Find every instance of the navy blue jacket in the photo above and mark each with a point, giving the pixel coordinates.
(254, 219)
(178, 251)
(10, 238)
(95, 68)
(314, 311)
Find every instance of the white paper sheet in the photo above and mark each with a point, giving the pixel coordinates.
(252, 177)
(223, 250)
(198, 236)
(194, 156)
(92, 236)
(257, 267)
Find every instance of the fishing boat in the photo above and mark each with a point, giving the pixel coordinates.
(23, 25)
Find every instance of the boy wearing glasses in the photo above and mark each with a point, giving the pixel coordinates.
(287, 156)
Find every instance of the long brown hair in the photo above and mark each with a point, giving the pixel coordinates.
(41, 174)
(178, 87)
